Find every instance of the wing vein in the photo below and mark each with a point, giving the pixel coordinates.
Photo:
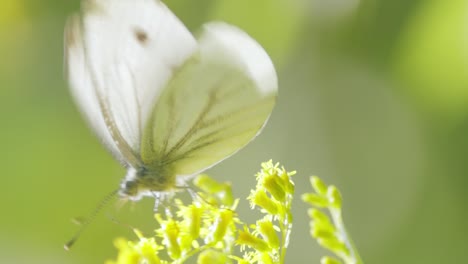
(206, 110)
(121, 143)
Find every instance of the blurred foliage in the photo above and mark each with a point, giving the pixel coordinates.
(373, 97)
(434, 57)
(276, 26)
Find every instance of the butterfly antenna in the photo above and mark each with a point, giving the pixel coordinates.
(117, 222)
(198, 196)
(91, 217)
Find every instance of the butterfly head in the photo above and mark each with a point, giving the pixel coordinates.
(145, 181)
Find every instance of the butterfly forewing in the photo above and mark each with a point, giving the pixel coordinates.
(123, 53)
(81, 84)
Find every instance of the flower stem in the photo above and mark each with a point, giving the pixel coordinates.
(353, 257)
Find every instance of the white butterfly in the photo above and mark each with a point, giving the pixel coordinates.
(166, 105)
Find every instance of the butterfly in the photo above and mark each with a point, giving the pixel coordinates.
(166, 104)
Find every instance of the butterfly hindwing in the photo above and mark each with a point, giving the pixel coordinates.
(216, 103)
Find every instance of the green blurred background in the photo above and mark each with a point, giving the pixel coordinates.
(373, 98)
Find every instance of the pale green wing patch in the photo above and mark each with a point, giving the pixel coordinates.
(213, 106)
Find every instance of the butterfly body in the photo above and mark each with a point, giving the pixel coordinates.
(146, 181)
(167, 105)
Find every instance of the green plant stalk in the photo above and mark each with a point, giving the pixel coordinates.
(284, 240)
(339, 224)
(192, 253)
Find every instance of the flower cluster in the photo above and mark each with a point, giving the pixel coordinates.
(330, 233)
(269, 237)
(209, 228)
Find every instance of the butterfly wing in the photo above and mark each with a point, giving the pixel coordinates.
(119, 55)
(214, 105)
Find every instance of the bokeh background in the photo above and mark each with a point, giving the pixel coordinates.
(373, 98)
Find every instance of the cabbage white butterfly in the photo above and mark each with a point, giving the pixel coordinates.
(167, 105)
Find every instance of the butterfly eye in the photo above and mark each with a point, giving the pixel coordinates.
(130, 188)
(130, 185)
